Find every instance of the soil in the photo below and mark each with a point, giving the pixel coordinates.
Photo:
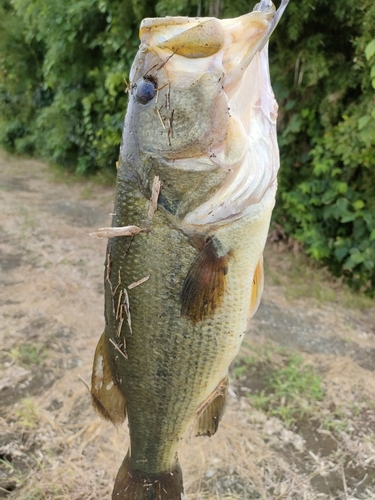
(52, 444)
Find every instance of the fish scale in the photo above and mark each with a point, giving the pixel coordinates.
(163, 358)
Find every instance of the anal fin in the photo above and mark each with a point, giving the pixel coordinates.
(107, 399)
(205, 283)
(212, 410)
(257, 288)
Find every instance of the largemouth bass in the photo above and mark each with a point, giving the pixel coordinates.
(195, 190)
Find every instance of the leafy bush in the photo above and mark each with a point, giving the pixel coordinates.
(327, 134)
(62, 70)
(63, 64)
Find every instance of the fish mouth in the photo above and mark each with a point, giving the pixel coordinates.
(246, 148)
(192, 46)
(194, 38)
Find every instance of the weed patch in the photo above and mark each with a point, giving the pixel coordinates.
(27, 414)
(289, 392)
(301, 277)
(29, 354)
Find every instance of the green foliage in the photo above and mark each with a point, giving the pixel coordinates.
(323, 65)
(62, 97)
(62, 91)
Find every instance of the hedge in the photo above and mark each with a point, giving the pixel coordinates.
(63, 72)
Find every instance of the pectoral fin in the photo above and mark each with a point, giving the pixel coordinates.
(107, 399)
(212, 410)
(257, 288)
(204, 285)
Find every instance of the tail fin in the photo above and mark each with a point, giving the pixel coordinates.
(131, 484)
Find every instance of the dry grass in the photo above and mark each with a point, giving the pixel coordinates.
(71, 454)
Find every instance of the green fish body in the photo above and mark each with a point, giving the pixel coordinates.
(197, 177)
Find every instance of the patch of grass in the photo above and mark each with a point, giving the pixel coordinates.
(242, 365)
(355, 409)
(27, 414)
(35, 481)
(65, 262)
(35, 492)
(303, 278)
(291, 392)
(239, 369)
(273, 275)
(29, 354)
(334, 425)
(310, 288)
(87, 192)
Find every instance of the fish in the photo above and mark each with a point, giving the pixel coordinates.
(183, 272)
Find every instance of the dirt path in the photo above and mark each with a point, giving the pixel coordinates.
(300, 422)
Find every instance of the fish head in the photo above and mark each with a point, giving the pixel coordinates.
(194, 87)
(180, 107)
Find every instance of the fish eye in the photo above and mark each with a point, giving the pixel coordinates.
(146, 90)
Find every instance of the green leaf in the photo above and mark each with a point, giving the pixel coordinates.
(305, 112)
(357, 205)
(355, 259)
(370, 50)
(348, 217)
(336, 171)
(363, 121)
(341, 187)
(340, 253)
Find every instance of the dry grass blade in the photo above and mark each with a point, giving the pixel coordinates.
(126, 306)
(113, 232)
(160, 118)
(155, 191)
(139, 282)
(118, 348)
